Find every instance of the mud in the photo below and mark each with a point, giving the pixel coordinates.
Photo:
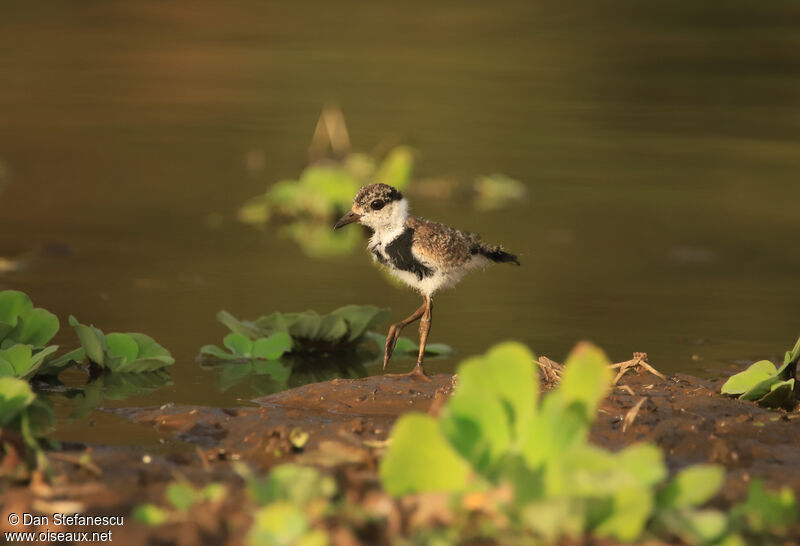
(347, 422)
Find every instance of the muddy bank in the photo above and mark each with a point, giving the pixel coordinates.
(341, 425)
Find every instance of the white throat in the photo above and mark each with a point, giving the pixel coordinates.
(389, 225)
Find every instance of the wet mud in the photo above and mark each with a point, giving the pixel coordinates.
(341, 426)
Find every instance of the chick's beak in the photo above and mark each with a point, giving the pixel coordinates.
(348, 218)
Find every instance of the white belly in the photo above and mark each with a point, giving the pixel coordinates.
(442, 277)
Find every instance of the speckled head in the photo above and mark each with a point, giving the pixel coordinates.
(375, 197)
(378, 206)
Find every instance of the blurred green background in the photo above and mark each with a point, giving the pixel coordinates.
(659, 142)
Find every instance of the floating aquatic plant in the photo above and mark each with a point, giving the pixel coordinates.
(323, 191)
(240, 347)
(341, 329)
(25, 331)
(122, 353)
(22, 323)
(766, 384)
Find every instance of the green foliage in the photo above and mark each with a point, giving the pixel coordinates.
(766, 384)
(181, 497)
(25, 331)
(241, 347)
(421, 459)
(290, 499)
(23, 411)
(15, 397)
(496, 432)
(299, 485)
(285, 504)
(765, 511)
(307, 206)
(284, 524)
(21, 360)
(150, 514)
(121, 353)
(341, 329)
(21, 323)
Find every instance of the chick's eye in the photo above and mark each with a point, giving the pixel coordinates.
(377, 204)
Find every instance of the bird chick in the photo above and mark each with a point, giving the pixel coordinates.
(425, 255)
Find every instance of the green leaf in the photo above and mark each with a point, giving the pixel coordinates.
(150, 514)
(361, 318)
(273, 347)
(492, 406)
(631, 510)
(143, 365)
(587, 378)
(122, 347)
(438, 349)
(36, 327)
(15, 396)
(555, 518)
(305, 325)
(38, 358)
(420, 459)
(92, 340)
(766, 511)
(272, 324)
(282, 524)
(181, 495)
(645, 462)
(554, 431)
(794, 354)
(135, 353)
(693, 486)
(12, 304)
(297, 484)
(245, 328)
(238, 344)
(54, 366)
(19, 357)
(404, 346)
(760, 389)
(781, 395)
(216, 352)
(332, 328)
(695, 526)
(744, 381)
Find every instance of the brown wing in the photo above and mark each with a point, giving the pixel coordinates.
(441, 245)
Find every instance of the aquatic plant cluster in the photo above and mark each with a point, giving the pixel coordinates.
(25, 356)
(280, 350)
(308, 206)
(766, 384)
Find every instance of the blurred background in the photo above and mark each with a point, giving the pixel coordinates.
(658, 144)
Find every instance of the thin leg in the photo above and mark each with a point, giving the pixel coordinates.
(396, 328)
(424, 329)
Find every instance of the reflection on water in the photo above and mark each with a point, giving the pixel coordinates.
(657, 142)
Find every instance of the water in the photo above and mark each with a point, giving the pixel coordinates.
(659, 143)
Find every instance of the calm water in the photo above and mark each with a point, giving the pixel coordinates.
(660, 144)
